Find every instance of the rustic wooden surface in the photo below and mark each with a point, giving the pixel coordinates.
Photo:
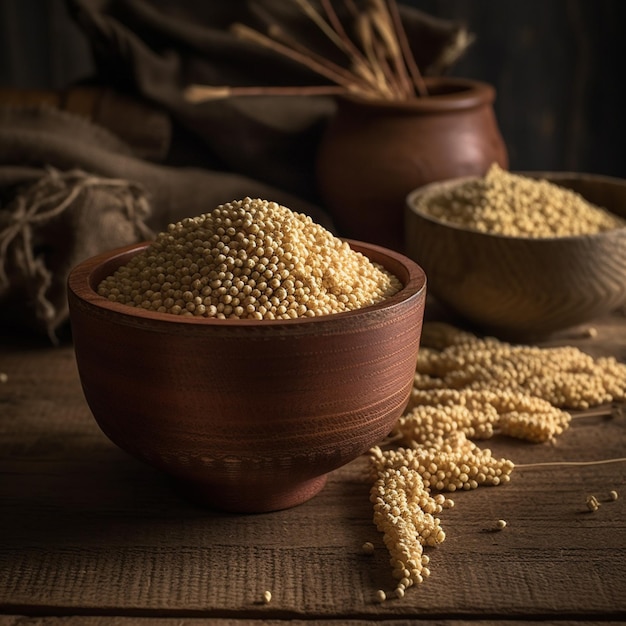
(90, 536)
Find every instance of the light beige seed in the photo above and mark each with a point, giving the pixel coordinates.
(514, 205)
(300, 269)
(468, 388)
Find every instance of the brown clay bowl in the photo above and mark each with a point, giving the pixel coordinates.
(523, 288)
(250, 415)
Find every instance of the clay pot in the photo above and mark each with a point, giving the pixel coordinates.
(248, 415)
(373, 153)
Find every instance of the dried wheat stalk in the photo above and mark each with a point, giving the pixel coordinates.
(380, 62)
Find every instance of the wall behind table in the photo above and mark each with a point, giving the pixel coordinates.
(40, 46)
(557, 66)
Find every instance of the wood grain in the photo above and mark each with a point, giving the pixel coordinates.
(19, 620)
(87, 531)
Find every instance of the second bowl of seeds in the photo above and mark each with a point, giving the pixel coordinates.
(522, 255)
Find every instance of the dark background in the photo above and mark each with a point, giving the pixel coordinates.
(557, 66)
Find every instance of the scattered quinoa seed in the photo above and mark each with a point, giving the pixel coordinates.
(381, 596)
(267, 597)
(4, 377)
(368, 547)
(469, 388)
(613, 495)
(524, 391)
(399, 591)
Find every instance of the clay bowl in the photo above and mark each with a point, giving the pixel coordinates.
(249, 415)
(523, 288)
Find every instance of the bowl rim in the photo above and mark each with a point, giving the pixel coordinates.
(428, 189)
(80, 278)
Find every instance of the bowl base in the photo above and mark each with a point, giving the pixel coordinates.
(253, 498)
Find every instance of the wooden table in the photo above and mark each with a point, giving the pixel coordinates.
(90, 536)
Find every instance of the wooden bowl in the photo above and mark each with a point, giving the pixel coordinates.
(523, 288)
(250, 415)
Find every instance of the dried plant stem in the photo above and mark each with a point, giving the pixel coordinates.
(358, 60)
(327, 69)
(381, 63)
(323, 25)
(396, 86)
(569, 463)
(610, 410)
(203, 93)
(383, 23)
(351, 6)
(334, 31)
(280, 35)
(364, 29)
(335, 22)
(418, 80)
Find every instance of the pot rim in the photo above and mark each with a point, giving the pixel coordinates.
(450, 94)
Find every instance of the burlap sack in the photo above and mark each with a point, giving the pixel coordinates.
(70, 189)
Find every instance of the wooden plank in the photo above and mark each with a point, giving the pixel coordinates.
(20, 620)
(86, 530)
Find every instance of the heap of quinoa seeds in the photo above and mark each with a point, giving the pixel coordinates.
(564, 376)
(502, 203)
(468, 388)
(249, 259)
